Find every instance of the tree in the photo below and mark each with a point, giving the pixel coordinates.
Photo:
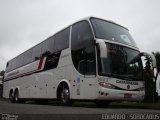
(150, 79)
(149, 83)
(2, 73)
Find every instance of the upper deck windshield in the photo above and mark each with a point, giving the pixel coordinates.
(111, 31)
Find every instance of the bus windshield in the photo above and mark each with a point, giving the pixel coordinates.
(111, 31)
(121, 62)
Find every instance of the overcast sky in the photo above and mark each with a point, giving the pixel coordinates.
(24, 23)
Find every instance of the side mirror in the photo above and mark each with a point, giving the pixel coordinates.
(103, 48)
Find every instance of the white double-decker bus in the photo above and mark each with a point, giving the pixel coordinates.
(92, 59)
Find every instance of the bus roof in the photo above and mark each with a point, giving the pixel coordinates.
(85, 18)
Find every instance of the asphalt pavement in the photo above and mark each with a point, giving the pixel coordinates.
(53, 109)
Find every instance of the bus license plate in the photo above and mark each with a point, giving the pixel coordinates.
(127, 95)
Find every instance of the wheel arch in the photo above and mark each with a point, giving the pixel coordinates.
(16, 89)
(63, 81)
(11, 90)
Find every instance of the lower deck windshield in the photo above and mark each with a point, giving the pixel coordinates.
(121, 62)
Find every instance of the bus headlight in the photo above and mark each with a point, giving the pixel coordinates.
(107, 85)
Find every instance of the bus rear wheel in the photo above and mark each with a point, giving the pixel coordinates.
(16, 97)
(11, 96)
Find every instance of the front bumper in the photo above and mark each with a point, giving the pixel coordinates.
(113, 94)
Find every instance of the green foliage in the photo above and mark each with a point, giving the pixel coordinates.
(2, 73)
(150, 84)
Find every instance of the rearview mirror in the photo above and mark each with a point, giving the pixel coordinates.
(103, 48)
(154, 64)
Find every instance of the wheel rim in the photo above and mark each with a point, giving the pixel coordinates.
(11, 96)
(16, 97)
(65, 95)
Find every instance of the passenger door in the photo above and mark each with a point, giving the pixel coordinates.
(83, 58)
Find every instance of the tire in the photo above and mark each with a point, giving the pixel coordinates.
(16, 97)
(11, 96)
(65, 96)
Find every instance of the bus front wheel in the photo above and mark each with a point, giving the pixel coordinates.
(64, 96)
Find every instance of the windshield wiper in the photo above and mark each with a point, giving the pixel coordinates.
(113, 75)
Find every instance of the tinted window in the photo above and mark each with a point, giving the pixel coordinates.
(90, 60)
(12, 64)
(51, 44)
(86, 64)
(52, 61)
(20, 60)
(81, 35)
(83, 52)
(62, 40)
(45, 50)
(27, 57)
(9, 65)
(44, 46)
(36, 52)
(111, 31)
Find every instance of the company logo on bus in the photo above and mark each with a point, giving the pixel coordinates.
(127, 82)
(128, 86)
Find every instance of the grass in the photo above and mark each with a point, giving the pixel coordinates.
(132, 105)
(136, 105)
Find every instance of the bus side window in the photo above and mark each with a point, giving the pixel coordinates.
(45, 49)
(50, 44)
(89, 55)
(13, 65)
(87, 65)
(36, 52)
(27, 57)
(62, 40)
(81, 34)
(20, 60)
(81, 38)
(7, 65)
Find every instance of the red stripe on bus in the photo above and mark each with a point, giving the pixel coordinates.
(40, 64)
(21, 75)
